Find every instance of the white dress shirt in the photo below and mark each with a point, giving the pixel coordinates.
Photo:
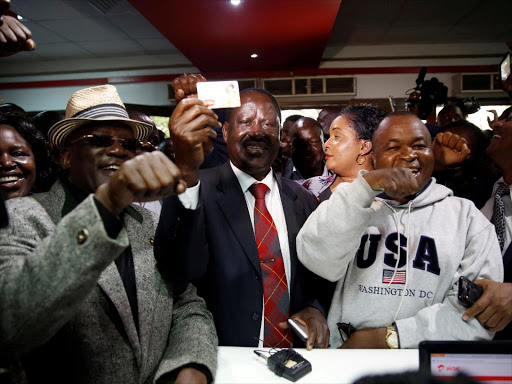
(487, 211)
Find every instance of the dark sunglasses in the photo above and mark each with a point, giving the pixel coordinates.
(107, 141)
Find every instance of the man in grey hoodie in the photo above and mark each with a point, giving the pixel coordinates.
(396, 242)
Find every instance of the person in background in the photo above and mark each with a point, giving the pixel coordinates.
(494, 308)
(396, 242)
(44, 120)
(152, 142)
(307, 150)
(325, 118)
(449, 114)
(348, 149)
(26, 165)
(472, 179)
(283, 165)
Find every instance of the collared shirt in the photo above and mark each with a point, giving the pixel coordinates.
(488, 208)
(153, 206)
(296, 175)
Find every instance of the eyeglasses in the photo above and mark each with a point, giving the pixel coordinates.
(107, 141)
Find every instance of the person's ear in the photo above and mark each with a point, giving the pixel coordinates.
(366, 148)
(372, 159)
(65, 158)
(225, 128)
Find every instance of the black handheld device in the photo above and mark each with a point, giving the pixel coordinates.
(469, 292)
(287, 363)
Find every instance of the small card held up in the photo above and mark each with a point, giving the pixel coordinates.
(219, 94)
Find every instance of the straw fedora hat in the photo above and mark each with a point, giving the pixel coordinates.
(94, 104)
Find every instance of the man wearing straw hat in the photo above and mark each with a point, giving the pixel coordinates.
(81, 299)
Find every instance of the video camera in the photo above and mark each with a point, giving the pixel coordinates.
(468, 105)
(432, 93)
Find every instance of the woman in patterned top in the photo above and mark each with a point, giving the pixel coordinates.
(348, 149)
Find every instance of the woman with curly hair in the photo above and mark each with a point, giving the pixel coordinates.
(349, 147)
(25, 163)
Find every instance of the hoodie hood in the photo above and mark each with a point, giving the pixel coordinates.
(432, 193)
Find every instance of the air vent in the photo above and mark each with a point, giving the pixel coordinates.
(311, 86)
(244, 84)
(478, 82)
(105, 6)
(279, 87)
(298, 88)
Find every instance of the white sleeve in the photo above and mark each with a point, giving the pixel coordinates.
(443, 321)
(331, 235)
(190, 198)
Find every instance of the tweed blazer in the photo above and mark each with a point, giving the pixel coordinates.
(65, 312)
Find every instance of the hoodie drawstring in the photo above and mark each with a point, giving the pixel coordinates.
(397, 223)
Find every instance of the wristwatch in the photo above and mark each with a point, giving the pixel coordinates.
(391, 337)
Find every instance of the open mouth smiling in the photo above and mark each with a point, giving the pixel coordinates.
(10, 179)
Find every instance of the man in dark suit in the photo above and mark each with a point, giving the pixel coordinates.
(494, 308)
(229, 267)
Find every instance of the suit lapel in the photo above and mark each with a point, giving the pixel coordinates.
(232, 202)
(288, 198)
(111, 283)
(148, 285)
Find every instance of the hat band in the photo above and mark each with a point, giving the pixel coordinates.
(102, 110)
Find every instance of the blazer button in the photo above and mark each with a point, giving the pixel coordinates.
(255, 316)
(151, 241)
(82, 236)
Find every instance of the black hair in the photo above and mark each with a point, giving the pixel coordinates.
(292, 118)
(43, 121)
(505, 114)
(46, 167)
(228, 111)
(11, 108)
(451, 108)
(365, 119)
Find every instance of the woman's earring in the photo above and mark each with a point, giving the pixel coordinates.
(357, 159)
